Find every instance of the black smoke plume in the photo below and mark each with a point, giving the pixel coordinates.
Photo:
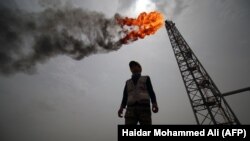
(31, 38)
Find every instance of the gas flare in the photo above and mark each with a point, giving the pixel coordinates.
(145, 24)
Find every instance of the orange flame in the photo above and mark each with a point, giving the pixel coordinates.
(145, 24)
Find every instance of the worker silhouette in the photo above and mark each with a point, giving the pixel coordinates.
(137, 94)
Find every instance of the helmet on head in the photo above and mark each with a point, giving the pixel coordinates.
(134, 63)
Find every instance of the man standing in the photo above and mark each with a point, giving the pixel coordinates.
(137, 94)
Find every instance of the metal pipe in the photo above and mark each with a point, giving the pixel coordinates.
(236, 91)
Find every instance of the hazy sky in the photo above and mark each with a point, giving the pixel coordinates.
(78, 100)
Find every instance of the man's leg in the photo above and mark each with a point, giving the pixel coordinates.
(145, 116)
(130, 116)
(131, 121)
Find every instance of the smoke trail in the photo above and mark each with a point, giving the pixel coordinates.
(31, 38)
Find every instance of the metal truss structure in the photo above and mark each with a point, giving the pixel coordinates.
(207, 102)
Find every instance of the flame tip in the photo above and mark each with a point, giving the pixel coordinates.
(146, 23)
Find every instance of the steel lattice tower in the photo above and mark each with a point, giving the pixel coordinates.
(208, 105)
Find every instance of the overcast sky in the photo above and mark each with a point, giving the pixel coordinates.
(78, 100)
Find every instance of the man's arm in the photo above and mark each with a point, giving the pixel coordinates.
(151, 91)
(152, 95)
(124, 101)
(125, 97)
